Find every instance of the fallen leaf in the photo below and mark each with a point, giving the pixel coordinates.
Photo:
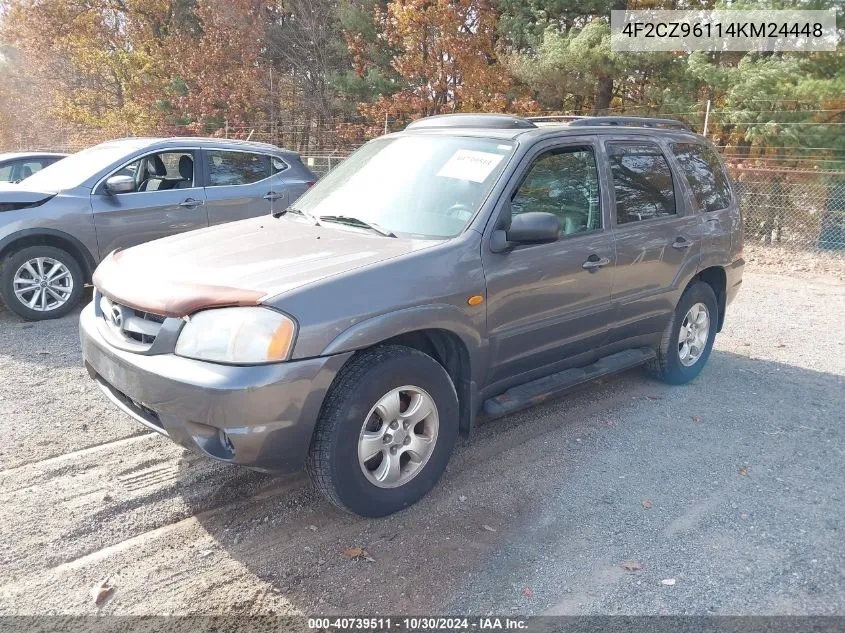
(488, 528)
(101, 591)
(696, 419)
(313, 528)
(356, 553)
(744, 471)
(668, 581)
(781, 345)
(528, 592)
(462, 498)
(647, 504)
(631, 565)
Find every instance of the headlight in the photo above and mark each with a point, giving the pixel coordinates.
(237, 335)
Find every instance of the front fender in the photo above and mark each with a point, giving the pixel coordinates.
(428, 317)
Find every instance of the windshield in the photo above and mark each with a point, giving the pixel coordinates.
(77, 168)
(416, 186)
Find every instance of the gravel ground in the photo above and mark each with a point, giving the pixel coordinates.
(732, 486)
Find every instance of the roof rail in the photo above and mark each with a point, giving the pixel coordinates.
(554, 117)
(630, 120)
(494, 121)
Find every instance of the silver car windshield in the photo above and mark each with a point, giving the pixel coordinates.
(413, 186)
(77, 168)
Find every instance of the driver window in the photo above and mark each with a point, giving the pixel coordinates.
(161, 172)
(564, 182)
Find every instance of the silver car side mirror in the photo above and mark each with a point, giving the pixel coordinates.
(120, 184)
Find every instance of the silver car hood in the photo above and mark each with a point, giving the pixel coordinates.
(19, 196)
(262, 257)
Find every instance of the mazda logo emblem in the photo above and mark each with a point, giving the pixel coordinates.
(115, 316)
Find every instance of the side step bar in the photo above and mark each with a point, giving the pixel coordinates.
(542, 389)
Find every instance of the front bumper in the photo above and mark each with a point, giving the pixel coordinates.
(266, 413)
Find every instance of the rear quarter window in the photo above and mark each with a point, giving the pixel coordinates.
(705, 175)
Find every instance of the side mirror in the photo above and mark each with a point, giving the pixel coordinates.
(120, 184)
(534, 227)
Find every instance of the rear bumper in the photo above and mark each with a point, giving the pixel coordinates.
(259, 416)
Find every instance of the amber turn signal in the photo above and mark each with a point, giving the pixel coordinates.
(475, 300)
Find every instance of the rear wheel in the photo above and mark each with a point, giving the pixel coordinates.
(688, 339)
(386, 431)
(41, 282)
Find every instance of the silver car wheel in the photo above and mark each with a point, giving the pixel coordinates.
(43, 284)
(695, 330)
(398, 437)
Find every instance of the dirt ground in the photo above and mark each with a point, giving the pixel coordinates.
(731, 486)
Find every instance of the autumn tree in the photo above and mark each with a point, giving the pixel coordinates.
(443, 58)
(130, 66)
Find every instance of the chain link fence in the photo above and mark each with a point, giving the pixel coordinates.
(794, 218)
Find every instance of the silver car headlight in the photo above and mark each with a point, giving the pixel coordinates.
(241, 336)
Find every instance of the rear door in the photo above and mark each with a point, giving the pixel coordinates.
(657, 235)
(549, 302)
(243, 184)
(164, 202)
(711, 197)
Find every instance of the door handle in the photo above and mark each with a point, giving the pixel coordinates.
(190, 203)
(272, 195)
(681, 243)
(593, 263)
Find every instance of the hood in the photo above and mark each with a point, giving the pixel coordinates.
(241, 263)
(19, 196)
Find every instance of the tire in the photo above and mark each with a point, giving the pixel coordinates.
(368, 379)
(69, 286)
(670, 366)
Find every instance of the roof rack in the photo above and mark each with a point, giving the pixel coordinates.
(494, 121)
(554, 117)
(630, 120)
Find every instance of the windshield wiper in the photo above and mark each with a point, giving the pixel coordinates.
(353, 221)
(303, 213)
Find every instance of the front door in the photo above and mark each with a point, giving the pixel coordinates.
(658, 237)
(243, 184)
(165, 201)
(549, 302)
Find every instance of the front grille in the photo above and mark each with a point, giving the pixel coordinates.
(139, 411)
(134, 326)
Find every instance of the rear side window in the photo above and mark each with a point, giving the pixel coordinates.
(642, 182)
(236, 168)
(704, 174)
(6, 173)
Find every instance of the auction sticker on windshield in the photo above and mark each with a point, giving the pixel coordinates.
(467, 164)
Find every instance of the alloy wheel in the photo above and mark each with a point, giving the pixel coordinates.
(692, 338)
(398, 436)
(43, 284)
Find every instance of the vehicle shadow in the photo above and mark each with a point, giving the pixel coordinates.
(542, 480)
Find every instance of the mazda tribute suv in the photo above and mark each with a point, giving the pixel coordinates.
(465, 268)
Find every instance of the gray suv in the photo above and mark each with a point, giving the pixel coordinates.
(465, 268)
(56, 225)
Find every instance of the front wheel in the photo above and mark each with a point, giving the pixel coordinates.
(386, 431)
(41, 282)
(688, 339)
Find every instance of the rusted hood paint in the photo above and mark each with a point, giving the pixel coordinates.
(237, 264)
